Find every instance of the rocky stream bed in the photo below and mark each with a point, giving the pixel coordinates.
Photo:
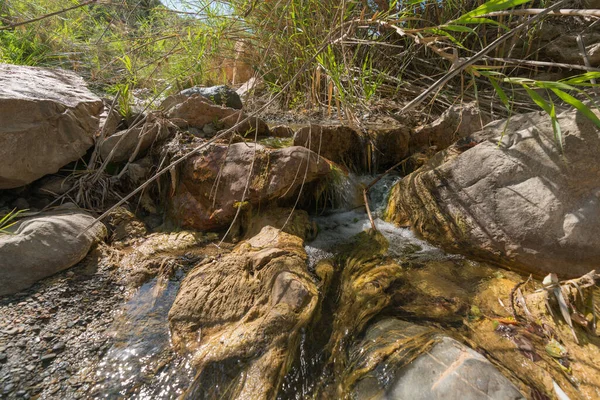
(251, 270)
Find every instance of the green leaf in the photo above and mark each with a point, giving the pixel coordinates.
(501, 94)
(457, 28)
(479, 21)
(490, 6)
(539, 100)
(553, 85)
(585, 110)
(436, 31)
(581, 79)
(556, 127)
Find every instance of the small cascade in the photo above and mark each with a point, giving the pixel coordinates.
(338, 226)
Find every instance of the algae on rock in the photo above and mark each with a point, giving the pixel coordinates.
(249, 306)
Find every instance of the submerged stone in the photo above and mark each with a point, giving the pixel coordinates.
(414, 362)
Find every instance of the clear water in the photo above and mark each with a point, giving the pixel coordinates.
(141, 363)
(338, 227)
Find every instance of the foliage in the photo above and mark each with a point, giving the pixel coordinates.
(116, 47)
(342, 56)
(9, 220)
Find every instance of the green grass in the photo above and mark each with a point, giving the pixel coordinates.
(9, 220)
(343, 57)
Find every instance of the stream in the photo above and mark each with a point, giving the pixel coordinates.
(439, 289)
(141, 364)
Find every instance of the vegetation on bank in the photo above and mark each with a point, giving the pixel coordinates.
(344, 57)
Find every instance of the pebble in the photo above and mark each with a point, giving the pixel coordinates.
(3, 357)
(58, 347)
(8, 388)
(48, 357)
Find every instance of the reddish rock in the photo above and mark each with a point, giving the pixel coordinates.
(211, 185)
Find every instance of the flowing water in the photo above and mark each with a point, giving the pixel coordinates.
(141, 363)
(437, 288)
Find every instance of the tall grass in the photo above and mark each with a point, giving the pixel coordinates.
(343, 56)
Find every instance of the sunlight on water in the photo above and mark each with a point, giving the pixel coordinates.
(141, 363)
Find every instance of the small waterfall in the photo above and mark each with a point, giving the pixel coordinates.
(350, 218)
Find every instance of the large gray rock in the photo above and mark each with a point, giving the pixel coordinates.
(221, 95)
(43, 245)
(447, 370)
(514, 199)
(47, 119)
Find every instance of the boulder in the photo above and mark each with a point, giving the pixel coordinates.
(338, 143)
(390, 146)
(282, 131)
(221, 95)
(456, 122)
(43, 245)
(249, 305)
(48, 119)
(417, 363)
(132, 144)
(515, 199)
(211, 185)
(197, 111)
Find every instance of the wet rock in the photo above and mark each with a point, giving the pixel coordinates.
(47, 119)
(338, 143)
(211, 185)
(364, 290)
(52, 242)
(221, 95)
(124, 226)
(160, 253)
(390, 146)
(197, 111)
(514, 199)
(249, 305)
(420, 364)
